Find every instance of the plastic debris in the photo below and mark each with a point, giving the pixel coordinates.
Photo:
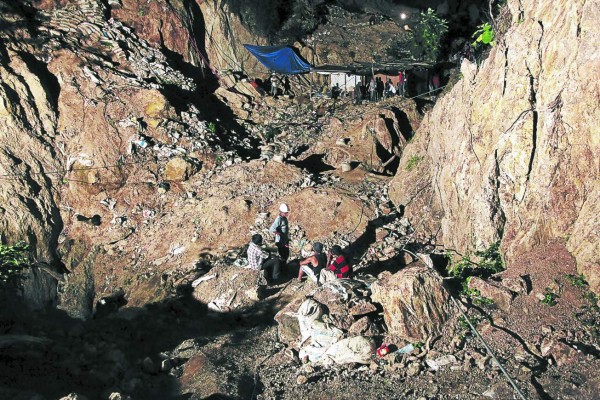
(203, 279)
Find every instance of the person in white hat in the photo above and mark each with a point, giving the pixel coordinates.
(280, 229)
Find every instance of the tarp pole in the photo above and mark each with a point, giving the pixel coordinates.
(311, 84)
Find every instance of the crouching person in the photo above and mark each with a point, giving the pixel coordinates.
(312, 265)
(260, 260)
(338, 266)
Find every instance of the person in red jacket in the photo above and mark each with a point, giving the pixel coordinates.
(338, 263)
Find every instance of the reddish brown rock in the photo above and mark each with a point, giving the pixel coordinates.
(288, 329)
(363, 327)
(179, 169)
(363, 307)
(200, 377)
(415, 303)
(501, 296)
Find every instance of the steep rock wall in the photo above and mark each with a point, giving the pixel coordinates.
(512, 151)
(28, 162)
(224, 39)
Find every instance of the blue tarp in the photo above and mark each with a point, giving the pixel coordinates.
(281, 59)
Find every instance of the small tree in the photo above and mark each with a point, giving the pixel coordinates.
(427, 36)
(484, 34)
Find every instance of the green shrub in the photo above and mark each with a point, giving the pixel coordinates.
(481, 263)
(212, 127)
(464, 326)
(13, 259)
(577, 280)
(475, 295)
(413, 161)
(484, 34)
(550, 298)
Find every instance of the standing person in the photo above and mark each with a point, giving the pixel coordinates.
(373, 89)
(436, 81)
(260, 260)
(274, 86)
(401, 81)
(314, 264)
(390, 90)
(380, 87)
(357, 94)
(280, 229)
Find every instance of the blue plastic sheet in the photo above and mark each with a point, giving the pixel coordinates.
(281, 59)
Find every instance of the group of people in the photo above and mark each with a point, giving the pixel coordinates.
(318, 266)
(377, 90)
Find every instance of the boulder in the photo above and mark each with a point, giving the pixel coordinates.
(415, 302)
(288, 328)
(501, 296)
(201, 378)
(179, 169)
(364, 327)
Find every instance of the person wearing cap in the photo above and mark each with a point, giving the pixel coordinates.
(260, 260)
(312, 265)
(280, 229)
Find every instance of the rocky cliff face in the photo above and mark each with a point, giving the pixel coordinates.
(28, 161)
(511, 153)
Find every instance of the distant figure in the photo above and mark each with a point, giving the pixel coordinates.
(254, 83)
(281, 230)
(274, 85)
(373, 89)
(390, 90)
(372, 20)
(466, 52)
(357, 94)
(380, 87)
(286, 85)
(335, 91)
(401, 83)
(436, 81)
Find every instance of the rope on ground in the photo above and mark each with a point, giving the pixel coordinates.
(489, 350)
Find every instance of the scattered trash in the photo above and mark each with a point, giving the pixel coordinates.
(383, 350)
(176, 249)
(202, 279)
(409, 348)
(434, 365)
(147, 214)
(108, 202)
